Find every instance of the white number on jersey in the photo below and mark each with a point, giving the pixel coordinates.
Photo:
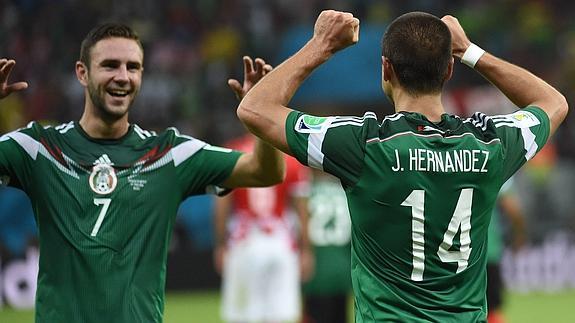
(461, 219)
(105, 205)
(329, 223)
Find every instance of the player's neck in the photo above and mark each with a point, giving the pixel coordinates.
(428, 105)
(98, 128)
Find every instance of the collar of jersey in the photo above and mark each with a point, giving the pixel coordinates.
(103, 141)
(445, 121)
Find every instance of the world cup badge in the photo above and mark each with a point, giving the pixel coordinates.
(103, 179)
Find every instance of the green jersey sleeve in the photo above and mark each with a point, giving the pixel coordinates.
(17, 150)
(202, 167)
(334, 144)
(523, 134)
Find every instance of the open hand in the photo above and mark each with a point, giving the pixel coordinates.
(253, 72)
(6, 66)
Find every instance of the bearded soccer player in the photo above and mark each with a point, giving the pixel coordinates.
(421, 184)
(105, 191)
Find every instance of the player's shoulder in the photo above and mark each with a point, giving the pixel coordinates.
(310, 124)
(523, 118)
(170, 136)
(393, 124)
(145, 134)
(36, 130)
(490, 124)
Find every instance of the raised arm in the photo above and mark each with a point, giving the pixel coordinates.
(264, 109)
(6, 66)
(265, 165)
(519, 85)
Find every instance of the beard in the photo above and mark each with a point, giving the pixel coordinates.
(102, 109)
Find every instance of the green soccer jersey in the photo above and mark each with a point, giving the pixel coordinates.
(105, 211)
(329, 230)
(420, 196)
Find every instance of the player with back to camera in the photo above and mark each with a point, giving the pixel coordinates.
(421, 184)
(105, 191)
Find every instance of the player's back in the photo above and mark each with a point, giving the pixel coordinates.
(420, 214)
(425, 193)
(420, 196)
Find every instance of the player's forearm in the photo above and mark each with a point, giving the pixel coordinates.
(523, 88)
(222, 207)
(301, 206)
(264, 108)
(270, 163)
(220, 231)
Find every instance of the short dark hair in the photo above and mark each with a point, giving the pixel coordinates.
(107, 30)
(418, 46)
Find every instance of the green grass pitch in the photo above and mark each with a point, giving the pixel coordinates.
(203, 307)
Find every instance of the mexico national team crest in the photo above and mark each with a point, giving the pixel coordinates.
(103, 179)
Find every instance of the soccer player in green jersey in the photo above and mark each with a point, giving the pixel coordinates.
(105, 191)
(420, 184)
(326, 294)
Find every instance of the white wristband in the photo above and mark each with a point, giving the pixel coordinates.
(472, 55)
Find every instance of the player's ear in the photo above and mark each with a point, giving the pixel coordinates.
(387, 68)
(82, 73)
(449, 73)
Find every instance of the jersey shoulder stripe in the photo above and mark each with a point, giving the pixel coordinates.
(30, 145)
(33, 147)
(312, 124)
(393, 117)
(186, 146)
(316, 138)
(186, 150)
(144, 134)
(63, 128)
(518, 119)
(521, 119)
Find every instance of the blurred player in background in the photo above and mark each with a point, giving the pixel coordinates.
(259, 252)
(508, 206)
(421, 184)
(105, 192)
(326, 294)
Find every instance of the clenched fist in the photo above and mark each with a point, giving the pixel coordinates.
(459, 40)
(336, 30)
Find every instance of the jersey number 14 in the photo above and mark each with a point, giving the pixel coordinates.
(461, 219)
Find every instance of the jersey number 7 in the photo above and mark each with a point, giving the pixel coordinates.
(105, 205)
